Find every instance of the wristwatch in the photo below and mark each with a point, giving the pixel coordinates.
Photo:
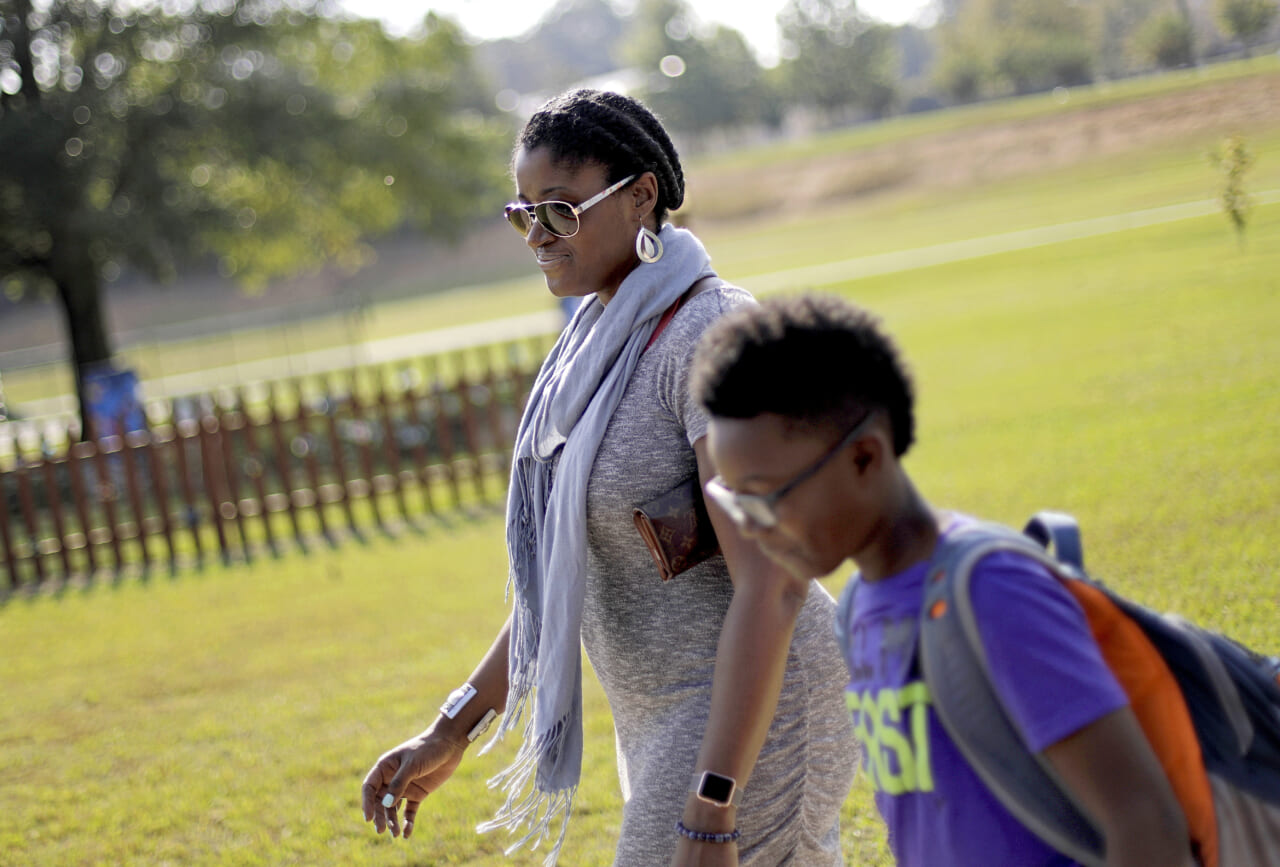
(715, 788)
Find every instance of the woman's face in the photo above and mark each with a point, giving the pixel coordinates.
(602, 253)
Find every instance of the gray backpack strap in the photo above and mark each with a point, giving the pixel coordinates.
(955, 668)
(1059, 533)
(844, 611)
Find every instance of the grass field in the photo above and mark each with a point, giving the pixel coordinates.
(227, 718)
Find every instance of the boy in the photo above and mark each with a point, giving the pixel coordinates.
(811, 414)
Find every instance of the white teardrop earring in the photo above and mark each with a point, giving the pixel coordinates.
(648, 245)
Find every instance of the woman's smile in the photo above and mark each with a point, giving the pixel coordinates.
(550, 260)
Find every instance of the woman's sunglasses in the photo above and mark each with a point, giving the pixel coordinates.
(559, 218)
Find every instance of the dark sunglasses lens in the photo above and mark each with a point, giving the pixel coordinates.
(558, 218)
(520, 220)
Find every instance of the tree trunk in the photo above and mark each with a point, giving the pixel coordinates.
(80, 294)
(1185, 10)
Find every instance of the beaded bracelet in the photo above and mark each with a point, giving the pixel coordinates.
(707, 836)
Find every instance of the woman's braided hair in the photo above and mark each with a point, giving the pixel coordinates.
(616, 131)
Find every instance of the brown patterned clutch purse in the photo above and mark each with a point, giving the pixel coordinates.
(676, 528)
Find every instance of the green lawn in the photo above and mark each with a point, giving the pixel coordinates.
(227, 717)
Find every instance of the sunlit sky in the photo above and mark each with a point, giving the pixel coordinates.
(495, 19)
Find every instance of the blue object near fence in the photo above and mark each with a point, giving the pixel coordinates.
(112, 396)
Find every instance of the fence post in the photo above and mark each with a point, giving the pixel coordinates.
(499, 437)
(107, 496)
(303, 422)
(209, 432)
(340, 461)
(255, 468)
(55, 509)
(6, 537)
(444, 430)
(364, 446)
(26, 502)
(391, 450)
(229, 422)
(469, 430)
(159, 487)
(284, 469)
(184, 430)
(421, 459)
(76, 455)
(129, 442)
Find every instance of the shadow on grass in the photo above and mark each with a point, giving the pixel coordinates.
(240, 553)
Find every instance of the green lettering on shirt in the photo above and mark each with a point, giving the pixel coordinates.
(893, 728)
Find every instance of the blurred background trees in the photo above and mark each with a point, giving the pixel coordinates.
(1246, 20)
(257, 139)
(835, 58)
(696, 81)
(260, 137)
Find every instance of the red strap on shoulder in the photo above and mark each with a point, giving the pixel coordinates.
(667, 316)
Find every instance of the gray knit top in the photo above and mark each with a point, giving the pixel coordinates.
(653, 645)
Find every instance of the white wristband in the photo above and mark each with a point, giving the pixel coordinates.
(482, 726)
(457, 700)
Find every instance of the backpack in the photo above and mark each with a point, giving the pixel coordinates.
(1209, 706)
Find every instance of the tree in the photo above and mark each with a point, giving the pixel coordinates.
(253, 133)
(1019, 45)
(963, 68)
(1246, 20)
(1167, 39)
(1233, 161)
(698, 80)
(837, 57)
(1041, 44)
(1120, 25)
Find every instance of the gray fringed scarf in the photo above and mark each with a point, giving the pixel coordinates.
(574, 396)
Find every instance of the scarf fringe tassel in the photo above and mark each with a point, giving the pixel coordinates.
(526, 806)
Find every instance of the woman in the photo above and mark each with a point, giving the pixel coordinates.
(725, 682)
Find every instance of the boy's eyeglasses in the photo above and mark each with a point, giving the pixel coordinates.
(760, 509)
(559, 218)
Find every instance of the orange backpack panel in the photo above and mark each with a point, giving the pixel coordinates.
(1158, 704)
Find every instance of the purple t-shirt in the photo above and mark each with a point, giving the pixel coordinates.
(1044, 664)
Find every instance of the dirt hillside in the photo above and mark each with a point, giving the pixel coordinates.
(980, 154)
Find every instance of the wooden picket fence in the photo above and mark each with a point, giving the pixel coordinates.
(250, 473)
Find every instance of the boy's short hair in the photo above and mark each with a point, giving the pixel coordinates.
(814, 358)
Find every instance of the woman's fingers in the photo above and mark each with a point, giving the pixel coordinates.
(408, 773)
(410, 815)
(374, 788)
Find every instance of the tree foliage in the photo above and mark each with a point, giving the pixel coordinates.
(1022, 46)
(1167, 39)
(1233, 159)
(696, 80)
(254, 133)
(1246, 20)
(1121, 42)
(836, 57)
